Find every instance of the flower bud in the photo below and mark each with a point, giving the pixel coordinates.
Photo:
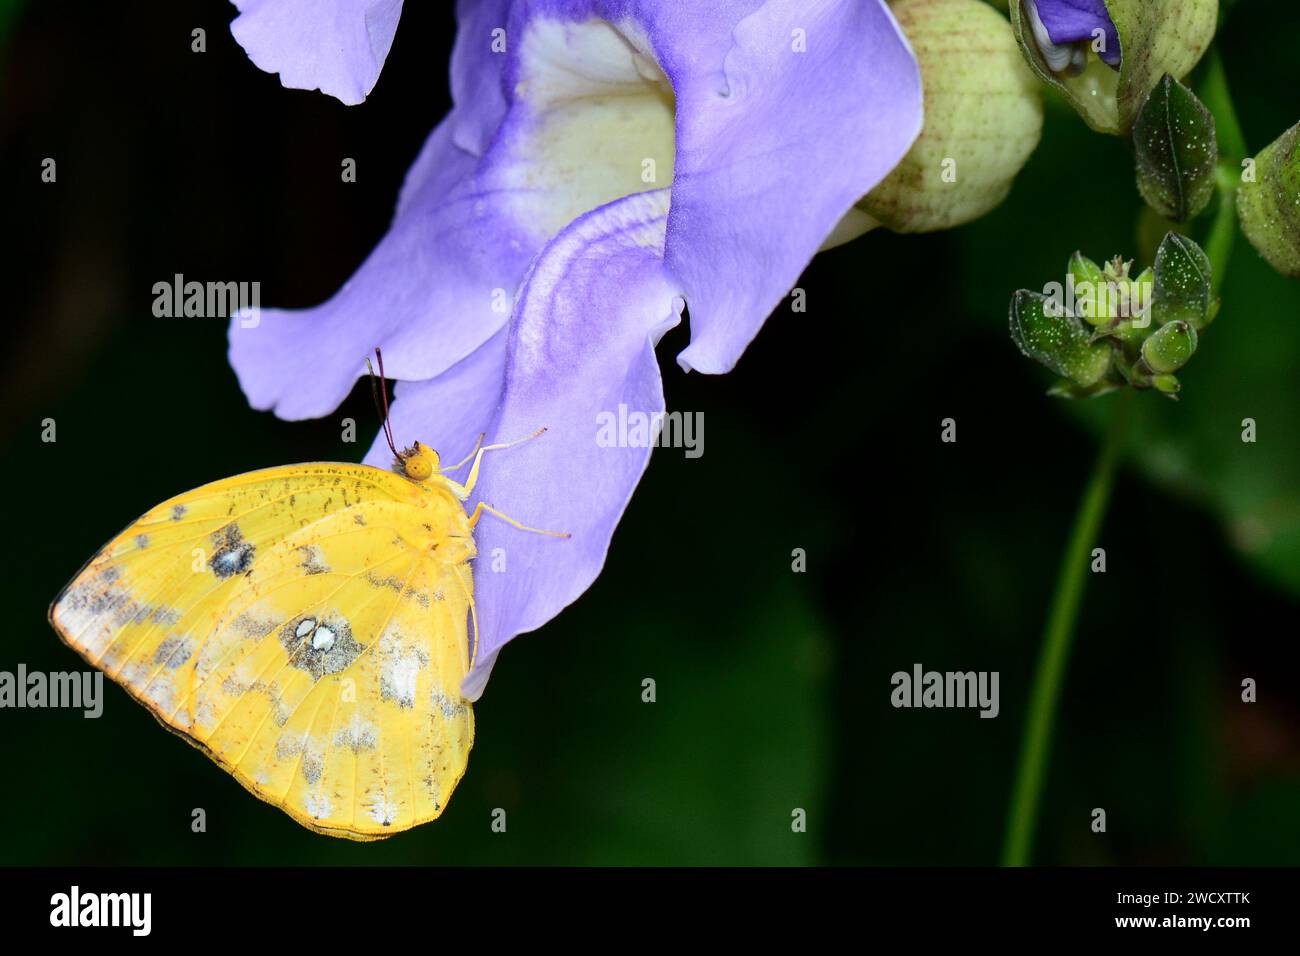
(1269, 205)
(1071, 45)
(1169, 348)
(1085, 271)
(1061, 342)
(983, 117)
(1168, 384)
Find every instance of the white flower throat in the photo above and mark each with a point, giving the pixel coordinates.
(592, 121)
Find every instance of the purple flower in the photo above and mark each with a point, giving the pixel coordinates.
(1070, 22)
(337, 46)
(606, 163)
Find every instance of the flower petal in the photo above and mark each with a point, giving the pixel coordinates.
(1070, 21)
(475, 209)
(478, 63)
(437, 286)
(774, 146)
(448, 413)
(335, 46)
(581, 344)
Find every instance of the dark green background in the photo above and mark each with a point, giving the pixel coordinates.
(773, 687)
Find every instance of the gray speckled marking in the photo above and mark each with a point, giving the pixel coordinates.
(313, 765)
(357, 735)
(254, 628)
(173, 652)
(449, 708)
(232, 554)
(313, 559)
(319, 661)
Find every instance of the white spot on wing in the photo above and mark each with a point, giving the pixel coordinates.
(318, 805)
(323, 639)
(382, 810)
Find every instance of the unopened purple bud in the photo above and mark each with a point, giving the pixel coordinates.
(1065, 30)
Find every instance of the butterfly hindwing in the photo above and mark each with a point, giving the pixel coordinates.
(306, 627)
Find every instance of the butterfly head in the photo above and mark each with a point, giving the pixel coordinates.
(419, 462)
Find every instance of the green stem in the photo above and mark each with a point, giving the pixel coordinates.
(1223, 231)
(1035, 747)
(1232, 150)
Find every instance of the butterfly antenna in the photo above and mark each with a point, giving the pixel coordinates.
(379, 392)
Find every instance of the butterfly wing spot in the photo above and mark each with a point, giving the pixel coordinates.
(320, 647)
(323, 639)
(233, 688)
(173, 652)
(401, 662)
(391, 581)
(178, 512)
(93, 610)
(312, 765)
(382, 810)
(309, 752)
(254, 628)
(232, 554)
(288, 746)
(451, 708)
(318, 805)
(157, 689)
(357, 734)
(142, 541)
(313, 559)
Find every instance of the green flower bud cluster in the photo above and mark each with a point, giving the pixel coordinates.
(1106, 329)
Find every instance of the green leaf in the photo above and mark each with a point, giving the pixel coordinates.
(1061, 342)
(1176, 151)
(1183, 283)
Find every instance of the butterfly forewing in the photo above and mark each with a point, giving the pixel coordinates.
(307, 627)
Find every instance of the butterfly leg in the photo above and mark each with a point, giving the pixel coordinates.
(483, 506)
(466, 460)
(472, 480)
(473, 613)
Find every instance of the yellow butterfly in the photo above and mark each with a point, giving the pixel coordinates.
(306, 628)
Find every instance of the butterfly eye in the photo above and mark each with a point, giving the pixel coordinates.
(418, 467)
